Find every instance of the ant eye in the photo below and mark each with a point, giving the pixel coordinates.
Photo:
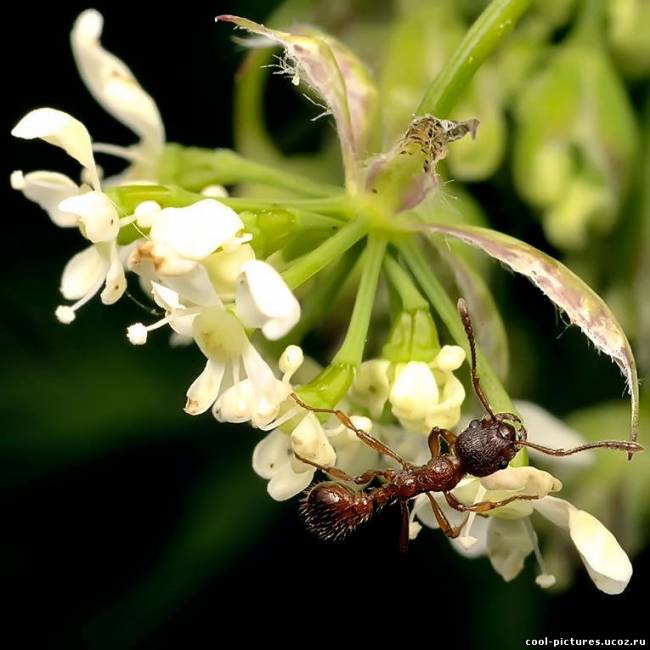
(503, 463)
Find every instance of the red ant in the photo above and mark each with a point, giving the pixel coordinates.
(332, 510)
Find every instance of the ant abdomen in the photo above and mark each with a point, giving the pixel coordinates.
(332, 510)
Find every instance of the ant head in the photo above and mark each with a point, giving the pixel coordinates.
(489, 444)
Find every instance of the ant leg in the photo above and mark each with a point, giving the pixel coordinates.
(476, 382)
(485, 506)
(449, 530)
(366, 438)
(434, 440)
(404, 531)
(340, 475)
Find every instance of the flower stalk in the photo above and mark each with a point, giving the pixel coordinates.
(483, 37)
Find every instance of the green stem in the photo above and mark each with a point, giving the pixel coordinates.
(128, 197)
(194, 168)
(436, 293)
(590, 23)
(318, 302)
(401, 281)
(351, 351)
(479, 42)
(329, 251)
(334, 206)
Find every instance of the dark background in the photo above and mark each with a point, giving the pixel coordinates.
(129, 524)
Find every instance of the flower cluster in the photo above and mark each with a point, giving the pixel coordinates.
(241, 278)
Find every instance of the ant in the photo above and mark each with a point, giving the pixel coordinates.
(332, 510)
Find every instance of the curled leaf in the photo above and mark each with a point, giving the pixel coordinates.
(337, 75)
(565, 289)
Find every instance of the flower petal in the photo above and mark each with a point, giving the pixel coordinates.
(309, 441)
(446, 414)
(115, 279)
(196, 231)
(524, 480)
(287, 482)
(271, 453)
(508, 545)
(264, 300)
(545, 429)
(165, 297)
(450, 358)
(606, 562)
(48, 189)
(414, 390)
(85, 271)
(236, 404)
(371, 386)
(112, 84)
(204, 390)
(194, 286)
(99, 221)
(62, 130)
(514, 481)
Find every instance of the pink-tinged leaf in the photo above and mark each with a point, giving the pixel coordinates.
(581, 304)
(335, 74)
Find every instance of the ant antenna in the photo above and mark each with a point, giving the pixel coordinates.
(467, 323)
(621, 445)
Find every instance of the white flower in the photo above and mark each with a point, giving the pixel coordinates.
(371, 386)
(352, 455)
(244, 402)
(177, 315)
(545, 429)
(222, 339)
(422, 395)
(508, 537)
(180, 238)
(265, 301)
(113, 85)
(413, 391)
(606, 562)
(274, 459)
(71, 205)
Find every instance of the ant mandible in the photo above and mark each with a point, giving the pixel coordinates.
(332, 510)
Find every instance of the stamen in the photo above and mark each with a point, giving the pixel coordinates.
(544, 579)
(280, 420)
(137, 333)
(467, 540)
(125, 153)
(291, 359)
(125, 221)
(67, 313)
